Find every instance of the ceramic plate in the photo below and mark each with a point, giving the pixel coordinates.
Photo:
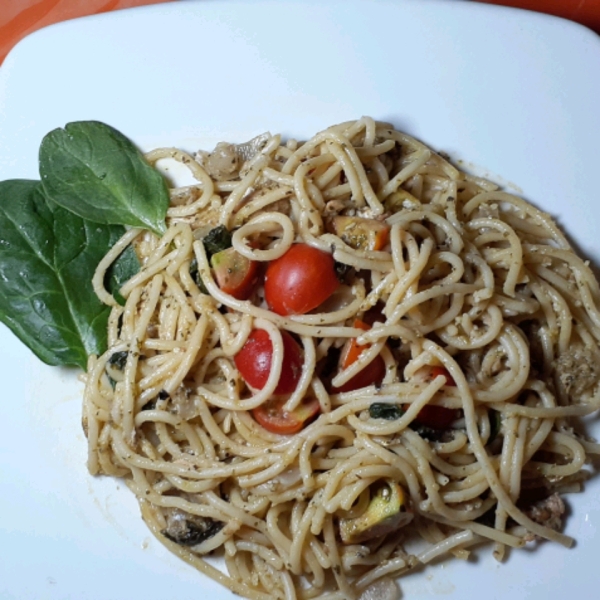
(510, 93)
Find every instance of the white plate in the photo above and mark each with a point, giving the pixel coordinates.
(511, 91)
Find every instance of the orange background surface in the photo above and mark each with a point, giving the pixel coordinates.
(586, 12)
(20, 17)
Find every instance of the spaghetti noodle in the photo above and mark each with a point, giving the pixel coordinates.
(476, 306)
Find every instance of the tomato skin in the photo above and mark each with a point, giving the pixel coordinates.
(371, 374)
(235, 274)
(374, 314)
(352, 350)
(275, 419)
(437, 417)
(300, 280)
(435, 371)
(254, 360)
(361, 233)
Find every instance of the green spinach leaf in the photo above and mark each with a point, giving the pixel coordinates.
(216, 240)
(96, 172)
(123, 269)
(47, 258)
(382, 410)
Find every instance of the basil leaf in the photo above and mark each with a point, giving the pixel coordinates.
(495, 418)
(382, 410)
(195, 275)
(216, 240)
(47, 258)
(96, 172)
(123, 269)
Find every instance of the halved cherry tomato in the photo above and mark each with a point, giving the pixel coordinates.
(372, 373)
(254, 361)
(361, 233)
(375, 314)
(300, 280)
(236, 275)
(352, 350)
(437, 417)
(437, 370)
(275, 419)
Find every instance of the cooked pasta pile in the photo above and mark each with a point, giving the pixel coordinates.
(484, 320)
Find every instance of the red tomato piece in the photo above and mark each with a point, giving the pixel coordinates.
(360, 233)
(435, 371)
(254, 360)
(235, 274)
(352, 350)
(300, 280)
(371, 374)
(437, 417)
(375, 314)
(272, 416)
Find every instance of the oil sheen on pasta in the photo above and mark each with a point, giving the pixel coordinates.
(474, 302)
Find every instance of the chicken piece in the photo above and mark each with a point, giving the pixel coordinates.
(547, 512)
(226, 161)
(578, 371)
(189, 530)
(223, 162)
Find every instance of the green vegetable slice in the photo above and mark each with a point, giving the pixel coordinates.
(96, 172)
(125, 267)
(495, 424)
(47, 258)
(216, 240)
(383, 410)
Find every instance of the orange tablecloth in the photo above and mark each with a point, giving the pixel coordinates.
(586, 12)
(20, 17)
